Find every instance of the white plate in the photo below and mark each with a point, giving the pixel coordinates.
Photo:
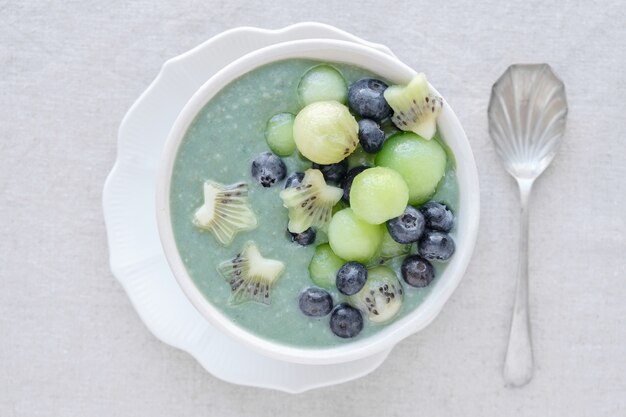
(137, 258)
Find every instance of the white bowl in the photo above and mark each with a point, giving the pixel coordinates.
(467, 216)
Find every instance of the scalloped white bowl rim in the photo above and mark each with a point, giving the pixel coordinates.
(468, 214)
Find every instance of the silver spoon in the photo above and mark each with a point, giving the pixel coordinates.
(527, 112)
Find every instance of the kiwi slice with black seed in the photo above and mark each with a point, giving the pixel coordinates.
(225, 211)
(415, 107)
(310, 204)
(382, 295)
(250, 275)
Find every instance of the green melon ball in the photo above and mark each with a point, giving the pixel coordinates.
(353, 239)
(325, 132)
(378, 194)
(279, 134)
(322, 83)
(360, 158)
(420, 162)
(391, 249)
(324, 266)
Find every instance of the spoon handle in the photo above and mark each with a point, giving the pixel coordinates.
(518, 364)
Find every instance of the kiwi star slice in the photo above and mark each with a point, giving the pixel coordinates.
(250, 275)
(415, 107)
(225, 211)
(310, 203)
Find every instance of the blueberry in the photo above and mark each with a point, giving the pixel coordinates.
(408, 227)
(346, 321)
(351, 278)
(294, 179)
(268, 169)
(346, 184)
(371, 136)
(333, 172)
(315, 302)
(417, 271)
(438, 216)
(366, 99)
(305, 238)
(436, 245)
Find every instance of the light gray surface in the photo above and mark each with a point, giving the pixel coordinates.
(71, 343)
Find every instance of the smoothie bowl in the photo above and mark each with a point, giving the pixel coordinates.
(318, 201)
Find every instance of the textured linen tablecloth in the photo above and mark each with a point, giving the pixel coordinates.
(71, 343)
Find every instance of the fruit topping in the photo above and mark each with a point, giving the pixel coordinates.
(346, 321)
(420, 162)
(250, 275)
(225, 211)
(353, 239)
(340, 206)
(294, 179)
(279, 134)
(382, 295)
(351, 278)
(322, 83)
(360, 158)
(324, 266)
(305, 238)
(346, 184)
(408, 227)
(333, 172)
(366, 98)
(311, 202)
(417, 271)
(315, 302)
(436, 245)
(438, 216)
(392, 249)
(268, 169)
(371, 136)
(389, 128)
(325, 132)
(378, 194)
(415, 107)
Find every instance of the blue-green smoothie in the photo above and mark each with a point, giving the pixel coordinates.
(220, 145)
